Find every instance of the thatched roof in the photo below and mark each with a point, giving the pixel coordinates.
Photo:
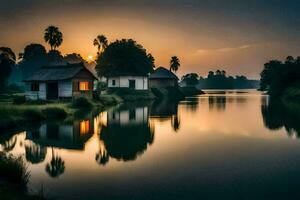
(163, 73)
(58, 72)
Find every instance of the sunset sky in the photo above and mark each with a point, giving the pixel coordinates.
(238, 36)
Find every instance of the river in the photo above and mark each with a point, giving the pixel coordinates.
(232, 144)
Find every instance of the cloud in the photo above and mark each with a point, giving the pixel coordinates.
(224, 50)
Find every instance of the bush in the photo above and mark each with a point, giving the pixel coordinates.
(19, 100)
(54, 113)
(81, 102)
(108, 100)
(33, 115)
(157, 93)
(13, 169)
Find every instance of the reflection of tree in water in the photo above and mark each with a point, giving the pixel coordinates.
(217, 102)
(277, 115)
(166, 109)
(9, 145)
(34, 153)
(191, 104)
(126, 142)
(102, 156)
(56, 166)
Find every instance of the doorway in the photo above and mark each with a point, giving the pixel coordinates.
(132, 84)
(52, 90)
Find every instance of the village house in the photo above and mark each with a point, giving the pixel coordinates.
(133, 82)
(58, 82)
(163, 78)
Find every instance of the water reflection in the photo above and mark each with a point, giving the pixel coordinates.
(277, 115)
(127, 134)
(56, 166)
(217, 103)
(165, 110)
(34, 153)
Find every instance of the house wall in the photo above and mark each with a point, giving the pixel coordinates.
(65, 89)
(123, 117)
(34, 95)
(83, 76)
(141, 82)
(162, 83)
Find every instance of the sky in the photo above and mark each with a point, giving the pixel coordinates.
(234, 35)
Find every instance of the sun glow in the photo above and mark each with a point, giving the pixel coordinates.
(90, 57)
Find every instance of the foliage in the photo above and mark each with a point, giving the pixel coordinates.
(53, 37)
(73, 58)
(34, 115)
(190, 79)
(101, 42)
(54, 113)
(277, 76)
(124, 57)
(81, 102)
(7, 61)
(13, 169)
(219, 80)
(17, 100)
(191, 91)
(174, 63)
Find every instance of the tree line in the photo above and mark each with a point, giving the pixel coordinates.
(219, 80)
(121, 55)
(277, 76)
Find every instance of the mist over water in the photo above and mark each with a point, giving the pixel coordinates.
(224, 144)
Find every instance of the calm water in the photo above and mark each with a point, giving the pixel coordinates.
(225, 144)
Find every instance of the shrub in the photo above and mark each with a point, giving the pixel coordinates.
(81, 102)
(19, 100)
(54, 113)
(13, 169)
(33, 115)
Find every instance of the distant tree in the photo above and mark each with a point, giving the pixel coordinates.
(124, 57)
(32, 58)
(191, 79)
(34, 153)
(151, 59)
(7, 61)
(174, 63)
(53, 37)
(218, 73)
(223, 73)
(210, 74)
(289, 59)
(101, 42)
(74, 58)
(54, 57)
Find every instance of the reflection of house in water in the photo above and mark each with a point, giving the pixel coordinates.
(165, 110)
(67, 136)
(126, 135)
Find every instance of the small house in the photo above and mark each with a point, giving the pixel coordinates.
(162, 78)
(133, 82)
(58, 82)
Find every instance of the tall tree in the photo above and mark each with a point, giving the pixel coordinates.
(56, 167)
(53, 37)
(7, 61)
(101, 42)
(174, 63)
(124, 57)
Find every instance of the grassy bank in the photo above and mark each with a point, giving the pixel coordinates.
(16, 117)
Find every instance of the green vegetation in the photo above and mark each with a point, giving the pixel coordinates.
(81, 102)
(127, 94)
(281, 79)
(124, 57)
(174, 63)
(7, 61)
(54, 113)
(191, 91)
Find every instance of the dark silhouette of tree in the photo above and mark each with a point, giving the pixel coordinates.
(124, 57)
(34, 153)
(190, 79)
(174, 63)
(102, 156)
(33, 57)
(277, 76)
(151, 59)
(53, 37)
(7, 61)
(54, 57)
(101, 42)
(74, 58)
(56, 167)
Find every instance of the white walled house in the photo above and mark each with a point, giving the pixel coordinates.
(55, 82)
(133, 82)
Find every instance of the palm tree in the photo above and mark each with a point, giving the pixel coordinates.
(101, 42)
(56, 167)
(174, 63)
(53, 37)
(34, 153)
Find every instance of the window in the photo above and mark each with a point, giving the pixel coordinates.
(83, 86)
(132, 84)
(84, 127)
(132, 115)
(113, 82)
(35, 87)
